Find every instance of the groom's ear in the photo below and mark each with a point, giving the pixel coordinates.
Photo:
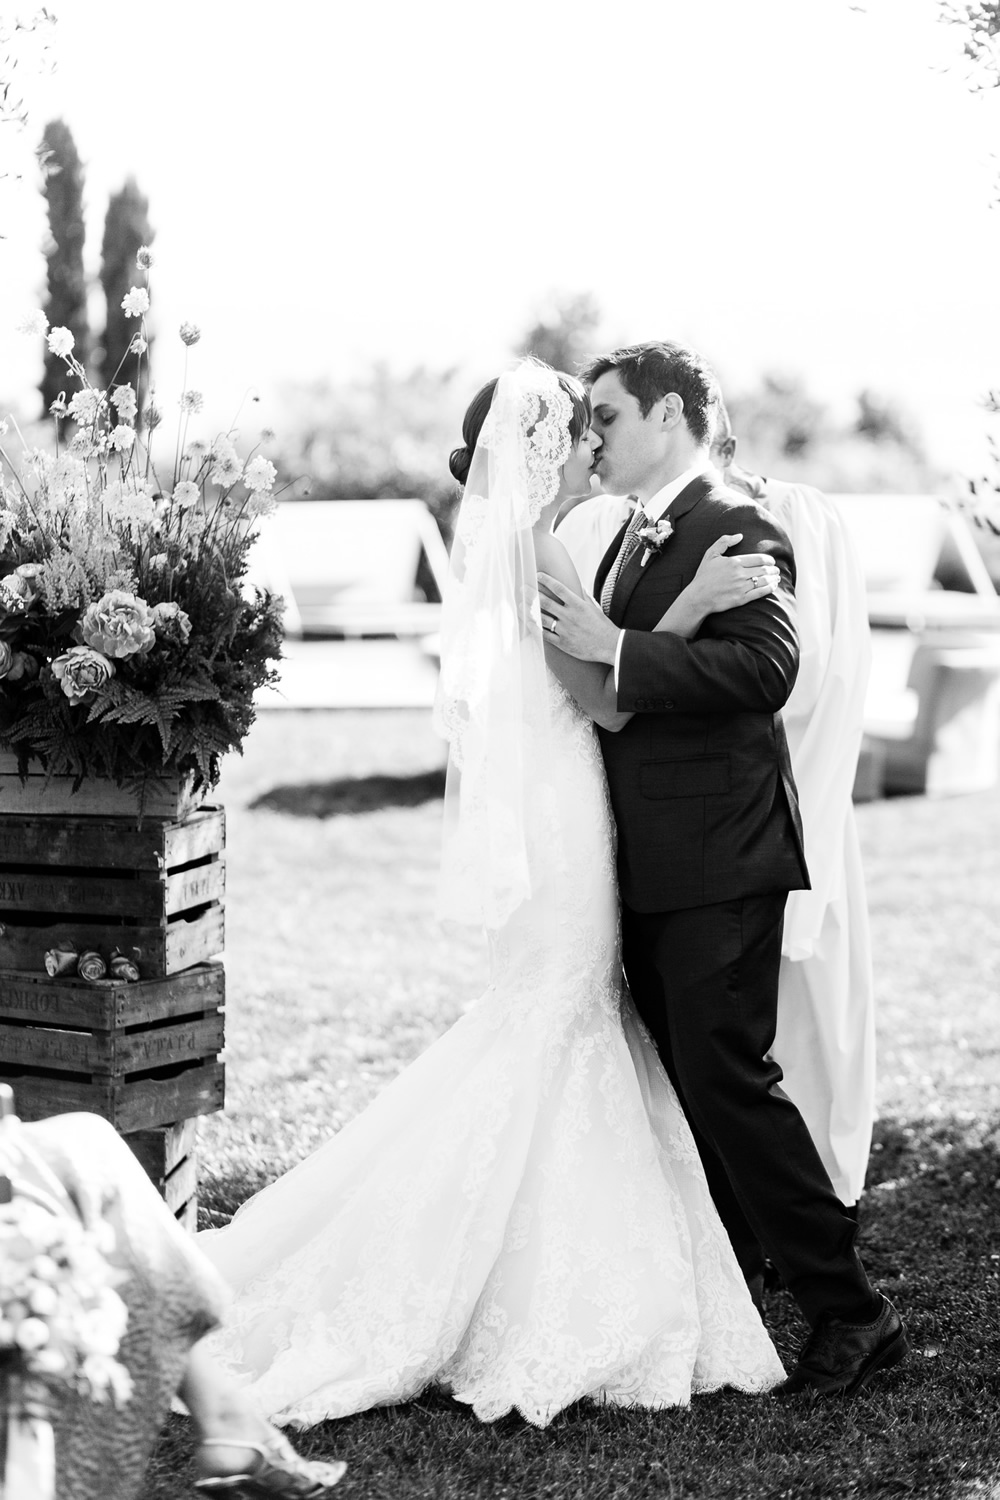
(673, 409)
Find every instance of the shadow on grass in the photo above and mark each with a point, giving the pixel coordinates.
(930, 1235)
(352, 794)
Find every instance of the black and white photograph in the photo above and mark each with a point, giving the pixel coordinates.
(500, 750)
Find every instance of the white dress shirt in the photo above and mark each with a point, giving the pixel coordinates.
(655, 507)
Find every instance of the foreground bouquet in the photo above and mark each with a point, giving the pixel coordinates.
(129, 644)
(61, 1320)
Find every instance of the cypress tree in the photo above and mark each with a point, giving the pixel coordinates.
(66, 306)
(126, 228)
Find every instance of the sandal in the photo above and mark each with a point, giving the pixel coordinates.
(278, 1472)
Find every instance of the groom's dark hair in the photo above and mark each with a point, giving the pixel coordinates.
(651, 371)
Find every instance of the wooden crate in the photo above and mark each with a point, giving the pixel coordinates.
(163, 796)
(141, 1055)
(106, 882)
(169, 1156)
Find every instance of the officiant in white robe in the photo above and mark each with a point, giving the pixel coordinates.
(825, 1039)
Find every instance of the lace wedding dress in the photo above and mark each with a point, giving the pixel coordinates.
(521, 1217)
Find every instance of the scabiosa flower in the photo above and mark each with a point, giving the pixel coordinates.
(191, 401)
(259, 474)
(58, 407)
(186, 493)
(61, 343)
(121, 437)
(144, 257)
(33, 324)
(135, 302)
(152, 416)
(190, 333)
(138, 344)
(124, 398)
(85, 405)
(227, 468)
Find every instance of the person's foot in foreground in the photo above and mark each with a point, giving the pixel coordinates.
(840, 1358)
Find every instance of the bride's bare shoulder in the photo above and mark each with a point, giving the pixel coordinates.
(551, 557)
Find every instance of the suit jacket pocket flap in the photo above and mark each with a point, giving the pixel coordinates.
(705, 776)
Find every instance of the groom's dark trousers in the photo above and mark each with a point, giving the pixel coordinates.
(710, 843)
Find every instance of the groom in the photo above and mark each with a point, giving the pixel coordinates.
(710, 842)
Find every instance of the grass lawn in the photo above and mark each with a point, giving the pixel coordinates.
(338, 976)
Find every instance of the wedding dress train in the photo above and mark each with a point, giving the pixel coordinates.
(521, 1217)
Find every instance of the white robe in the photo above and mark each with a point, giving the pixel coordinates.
(825, 1039)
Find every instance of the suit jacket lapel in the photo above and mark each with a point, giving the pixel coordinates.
(633, 569)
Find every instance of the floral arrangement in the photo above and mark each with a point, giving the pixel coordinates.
(61, 1320)
(130, 645)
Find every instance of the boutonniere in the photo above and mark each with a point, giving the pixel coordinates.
(654, 537)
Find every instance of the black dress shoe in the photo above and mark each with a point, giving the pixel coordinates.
(839, 1358)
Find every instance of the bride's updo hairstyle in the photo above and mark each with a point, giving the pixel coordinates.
(472, 423)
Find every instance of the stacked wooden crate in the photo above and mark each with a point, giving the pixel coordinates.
(84, 872)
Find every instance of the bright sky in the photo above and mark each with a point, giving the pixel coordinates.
(788, 185)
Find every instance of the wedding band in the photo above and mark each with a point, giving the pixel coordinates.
(753, 583)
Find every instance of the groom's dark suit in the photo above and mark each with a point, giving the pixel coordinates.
(710, 843)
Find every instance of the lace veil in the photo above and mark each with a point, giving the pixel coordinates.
(494, 696)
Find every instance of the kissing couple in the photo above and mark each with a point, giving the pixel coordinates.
(572, 1193)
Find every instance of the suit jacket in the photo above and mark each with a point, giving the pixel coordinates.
(701, 779)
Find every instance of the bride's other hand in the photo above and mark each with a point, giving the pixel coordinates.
(723, 582)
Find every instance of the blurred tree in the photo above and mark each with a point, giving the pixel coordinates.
(66, 306)
(980, 21)
(126, 228)
(781, 416)
(563, 333)
(880, 420)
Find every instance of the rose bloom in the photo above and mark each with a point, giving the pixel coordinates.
(80, 672)
(135, 302)
(61, 342)
(17, 594)
(118, 625)
(172, 623)
(6, 658)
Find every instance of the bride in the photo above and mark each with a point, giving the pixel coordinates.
(521, 1217)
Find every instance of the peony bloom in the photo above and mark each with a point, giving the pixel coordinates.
(190, 333)
(124, 400)
(259, 474)
(118, 625)
(80, 672)
(191, 401)
(171, 623)
(91, 966)
(33, 325)
(135, 302)
(61, 343)
(144, 257)
(121, 438)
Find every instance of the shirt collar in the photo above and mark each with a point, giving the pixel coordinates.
(657, 504)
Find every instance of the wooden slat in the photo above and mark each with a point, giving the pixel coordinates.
(182, 1184)
(146, 897)
(187, 1217)
(162, 949)
(95, 796)
(112, 1004)
(140, 1105)
(113, 1053)
(110, 843)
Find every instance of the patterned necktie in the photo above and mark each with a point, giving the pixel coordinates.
(629, 543)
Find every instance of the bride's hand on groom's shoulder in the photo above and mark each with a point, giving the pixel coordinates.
(576, 625)
(727, 582)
